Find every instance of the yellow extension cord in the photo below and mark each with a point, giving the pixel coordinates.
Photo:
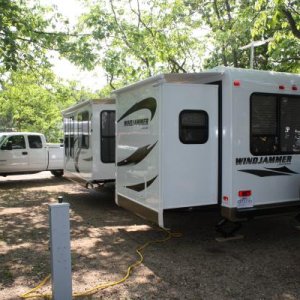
(99, 287)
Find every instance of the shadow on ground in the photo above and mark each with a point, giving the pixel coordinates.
(263, 265)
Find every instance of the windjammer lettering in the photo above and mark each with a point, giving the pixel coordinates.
(141, 122)
(263, 160)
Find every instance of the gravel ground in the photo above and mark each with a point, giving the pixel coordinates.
(263, 265)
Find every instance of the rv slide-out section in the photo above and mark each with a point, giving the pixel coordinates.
(167, 147)
(89, 136)
(226, 137)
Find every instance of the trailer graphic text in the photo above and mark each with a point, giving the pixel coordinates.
(284, 159)
(136, 122)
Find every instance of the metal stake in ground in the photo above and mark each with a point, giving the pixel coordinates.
(60, 251)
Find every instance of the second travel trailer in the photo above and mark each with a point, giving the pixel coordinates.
(226, 137)
(89, 138)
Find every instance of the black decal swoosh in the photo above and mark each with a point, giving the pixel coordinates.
(263, 173)
(137, 156)
(141, 186)
(88, 158)
(148, 103)
(283, 170)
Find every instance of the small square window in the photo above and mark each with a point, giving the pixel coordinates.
(193, 127)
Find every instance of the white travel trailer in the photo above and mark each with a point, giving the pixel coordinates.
(225, 137)
(89, 138)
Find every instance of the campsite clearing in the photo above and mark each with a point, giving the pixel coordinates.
(263, 265)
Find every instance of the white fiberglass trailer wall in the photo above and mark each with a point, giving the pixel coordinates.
(226, 137)
(89, 137)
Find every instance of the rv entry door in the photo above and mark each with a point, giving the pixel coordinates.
(190, 145)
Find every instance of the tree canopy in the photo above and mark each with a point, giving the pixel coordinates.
(23, 34)
(280, 20)
(138, 38)
(34, 103)
(31, 96)
(132, 40)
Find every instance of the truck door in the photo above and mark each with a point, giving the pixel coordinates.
(190, 145)
(38, 154)
(13, 154)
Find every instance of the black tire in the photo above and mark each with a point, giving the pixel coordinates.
(57, 173)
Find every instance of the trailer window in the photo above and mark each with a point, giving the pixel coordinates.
(69, 136)
(107, 137)
(83, 129)
(35, 142)
(275, 124)
(193, 127)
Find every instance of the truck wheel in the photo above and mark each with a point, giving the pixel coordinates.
(57, 173)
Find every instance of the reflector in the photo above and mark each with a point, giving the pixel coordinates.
(236, 83)
(245, 193)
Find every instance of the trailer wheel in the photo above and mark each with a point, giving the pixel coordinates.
(57, 173)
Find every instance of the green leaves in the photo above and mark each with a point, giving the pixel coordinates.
(19, 37)
(34, 103)
(281, 20)
(31, 97)
(141, 38)
(132, 40)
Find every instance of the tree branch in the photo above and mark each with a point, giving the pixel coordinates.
(292, 22)
(125, 39)
(177, 65)
(62, 33)
(139, 15)
(111, 79)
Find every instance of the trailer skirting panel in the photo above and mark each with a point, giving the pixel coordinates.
(138, 209)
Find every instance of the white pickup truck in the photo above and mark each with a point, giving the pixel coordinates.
(28, 153)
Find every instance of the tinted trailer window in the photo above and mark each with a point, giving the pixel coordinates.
(275, 124)
(108, 139)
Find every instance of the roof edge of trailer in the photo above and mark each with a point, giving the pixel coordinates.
(262, 77)
(213, 74)
(87, 102)
(172, 78)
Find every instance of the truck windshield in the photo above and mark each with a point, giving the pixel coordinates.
(2, 138)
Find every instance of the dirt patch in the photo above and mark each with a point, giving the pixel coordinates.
(263, 265)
